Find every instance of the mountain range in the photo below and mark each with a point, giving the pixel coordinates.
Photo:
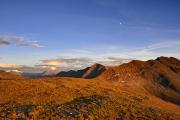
(88, 73)
(135, 90)
(160, 77)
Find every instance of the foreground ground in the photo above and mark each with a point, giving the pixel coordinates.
(79, 99)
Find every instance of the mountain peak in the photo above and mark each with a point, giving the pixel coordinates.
(94, 71)
(50, 72)
(157, 76)
(89, 72)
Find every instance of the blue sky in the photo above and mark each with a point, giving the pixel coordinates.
(77, 33)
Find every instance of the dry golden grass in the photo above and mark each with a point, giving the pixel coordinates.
(78, 99)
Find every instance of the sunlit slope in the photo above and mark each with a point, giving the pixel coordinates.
(60, 98)
(159, 77)
(9, 75)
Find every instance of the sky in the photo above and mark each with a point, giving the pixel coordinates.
(70, 34)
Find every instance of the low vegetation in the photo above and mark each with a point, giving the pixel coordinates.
(79, 99)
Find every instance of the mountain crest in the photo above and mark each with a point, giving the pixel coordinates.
(89, 72)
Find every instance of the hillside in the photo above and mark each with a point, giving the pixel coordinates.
(160, 77)
(50, 72)
(9, 75)
(144, 90)
(89, 72)
(75, 98)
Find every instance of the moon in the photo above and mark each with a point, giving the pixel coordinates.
(120, 23)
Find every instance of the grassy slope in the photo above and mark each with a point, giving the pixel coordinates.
(60, 98)
(155, 77)
(9, 75)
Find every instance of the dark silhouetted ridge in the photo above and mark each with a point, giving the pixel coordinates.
(89, 72)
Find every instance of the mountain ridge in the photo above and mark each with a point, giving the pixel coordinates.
(158, 77)
(135, 90)
(88, 73)
(9, 75)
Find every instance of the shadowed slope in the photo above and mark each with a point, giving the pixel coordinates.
(89, 72)
(50, 73)
(160, 77)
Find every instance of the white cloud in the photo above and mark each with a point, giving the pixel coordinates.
(112, 55)
(20, 41)
(35, 45)
(4, 41)
(17, 38)
(10, 39)
(10, 66)
(71, 62)
(165, 44)
(165, 48)
(66, 62)
(52, 62)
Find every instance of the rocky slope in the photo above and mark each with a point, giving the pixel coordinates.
(139, 90)
(89, 72)
(50, 72)
(160, 77)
